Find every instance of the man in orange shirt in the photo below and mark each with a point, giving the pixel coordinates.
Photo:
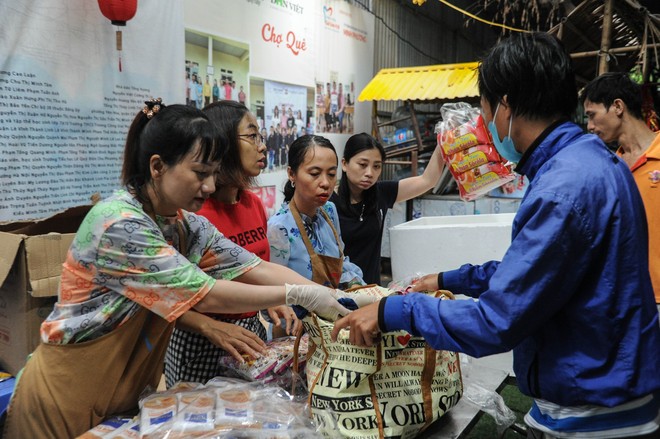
(613, 104)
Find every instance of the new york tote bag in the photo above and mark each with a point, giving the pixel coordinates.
(392, 390)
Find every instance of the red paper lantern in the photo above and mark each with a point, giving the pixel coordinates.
(118, 12)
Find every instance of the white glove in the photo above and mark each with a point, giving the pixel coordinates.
(316, 298)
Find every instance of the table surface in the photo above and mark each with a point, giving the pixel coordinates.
(461, 418)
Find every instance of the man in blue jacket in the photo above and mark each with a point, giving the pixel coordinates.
(572, 295)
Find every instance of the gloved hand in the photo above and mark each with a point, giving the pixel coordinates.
(360, 298)
(317, 298)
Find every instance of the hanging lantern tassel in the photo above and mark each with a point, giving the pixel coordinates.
(118, 12)
(118, 33)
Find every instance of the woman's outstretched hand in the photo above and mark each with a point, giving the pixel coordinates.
(234, 339)
(316, 298)
(293, 324)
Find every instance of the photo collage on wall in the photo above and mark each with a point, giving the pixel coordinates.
(335, 102)
(213, 88)
(285, 115)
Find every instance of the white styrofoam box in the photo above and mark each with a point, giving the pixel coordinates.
(446, 207)
(488, 205)
(441, 243)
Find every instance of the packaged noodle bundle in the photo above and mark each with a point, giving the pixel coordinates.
(469, 153)
(158, 410)
(234, 407)
(484, 177)
(392, 390)
(472, 157)
(270, 366)
(251, 369)
(471, 133)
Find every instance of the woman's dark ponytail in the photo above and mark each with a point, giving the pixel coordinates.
(289, 190)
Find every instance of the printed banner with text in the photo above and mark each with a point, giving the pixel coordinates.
(68, 96)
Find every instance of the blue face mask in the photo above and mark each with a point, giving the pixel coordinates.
(505, 146)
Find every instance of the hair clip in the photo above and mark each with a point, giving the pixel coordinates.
(152, 107)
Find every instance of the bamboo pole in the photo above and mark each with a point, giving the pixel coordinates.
(645, 59)
(615, 50)
(606, 38)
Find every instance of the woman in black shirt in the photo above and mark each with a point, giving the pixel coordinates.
(362, 201)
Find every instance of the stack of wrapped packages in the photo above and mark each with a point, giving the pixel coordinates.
(469, 153)
(222, 408)
(250, 401)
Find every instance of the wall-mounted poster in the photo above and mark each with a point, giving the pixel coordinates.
(285, 113)
(67, 98)
(335, 105)
(226, 76)
(345, 37)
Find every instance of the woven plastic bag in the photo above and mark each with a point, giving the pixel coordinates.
(394, 389)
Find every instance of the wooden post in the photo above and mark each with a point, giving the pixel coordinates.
(606, 37)
(415, 128)
(374, 122)
(645, 58)
(414, 155)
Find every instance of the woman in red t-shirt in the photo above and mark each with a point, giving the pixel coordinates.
(196, 346)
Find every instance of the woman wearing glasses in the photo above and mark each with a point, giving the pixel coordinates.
(239, 214)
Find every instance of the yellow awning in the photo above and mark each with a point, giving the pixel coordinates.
(424, 83)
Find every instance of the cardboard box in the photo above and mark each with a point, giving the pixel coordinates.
(30, 267)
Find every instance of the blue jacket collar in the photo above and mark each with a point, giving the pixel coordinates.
(552, 140)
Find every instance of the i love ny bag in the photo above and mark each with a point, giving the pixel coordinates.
(394, 389)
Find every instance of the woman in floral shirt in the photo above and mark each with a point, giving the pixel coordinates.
(138, 262)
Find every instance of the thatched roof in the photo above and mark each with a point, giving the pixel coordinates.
(633, 29)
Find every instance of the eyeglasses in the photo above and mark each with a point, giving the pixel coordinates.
(254, 138)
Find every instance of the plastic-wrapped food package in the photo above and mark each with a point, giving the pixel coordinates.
(130, 430)
(230, 407)
(195, 410)
(469, 153)
(472, 157)
(157, 412)
(222, 408)
(272, 366)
